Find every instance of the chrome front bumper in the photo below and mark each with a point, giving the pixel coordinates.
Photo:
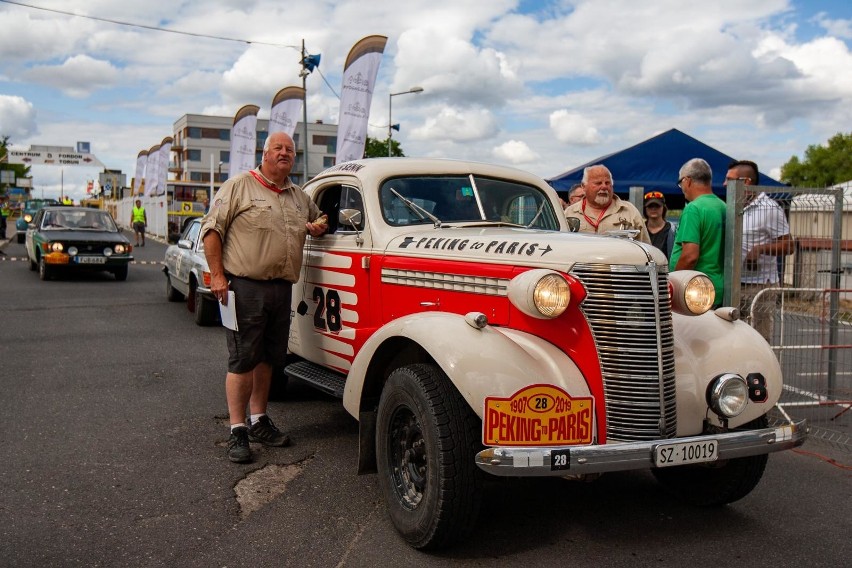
(619, 456)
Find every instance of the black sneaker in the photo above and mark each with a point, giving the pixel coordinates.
(238, 445)
(265, 432)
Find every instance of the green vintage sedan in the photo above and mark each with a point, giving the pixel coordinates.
(65, 239)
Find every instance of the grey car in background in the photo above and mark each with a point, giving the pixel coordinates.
(187, 275)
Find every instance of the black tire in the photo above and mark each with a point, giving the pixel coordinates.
(33, 265)
(44, 271)
(171, 292)
(120, 273)
(426, 440)
(21, 239)
(205, 312)
(716, 484)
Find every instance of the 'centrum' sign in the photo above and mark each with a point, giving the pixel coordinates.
(53, 156)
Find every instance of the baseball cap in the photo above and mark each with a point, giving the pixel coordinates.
(655, 197)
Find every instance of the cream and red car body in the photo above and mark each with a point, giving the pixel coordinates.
(619, 373)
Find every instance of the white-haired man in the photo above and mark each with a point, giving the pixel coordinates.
(600, 210)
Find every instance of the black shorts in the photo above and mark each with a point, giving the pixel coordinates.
(263, 319)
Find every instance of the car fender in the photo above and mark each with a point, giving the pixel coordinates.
(707, 346)
(480, 362)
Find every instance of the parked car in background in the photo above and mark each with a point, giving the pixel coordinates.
(187, 275)
(28, 211)
(66, 239)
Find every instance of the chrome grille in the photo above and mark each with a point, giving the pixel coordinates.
(629, 313)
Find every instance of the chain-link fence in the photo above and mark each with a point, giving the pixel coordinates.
(798, 295)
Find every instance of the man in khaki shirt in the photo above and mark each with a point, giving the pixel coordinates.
(253, 238)
(601, 210)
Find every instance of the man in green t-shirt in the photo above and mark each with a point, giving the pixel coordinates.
(700, 238)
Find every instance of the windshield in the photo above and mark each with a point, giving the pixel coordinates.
(78, 219)
(35, 204)
(465, 200)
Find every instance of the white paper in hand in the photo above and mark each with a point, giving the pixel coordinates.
(229, 312)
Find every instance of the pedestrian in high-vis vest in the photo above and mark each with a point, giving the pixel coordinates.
(138, 220)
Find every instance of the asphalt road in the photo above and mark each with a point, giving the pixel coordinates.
(113, 414)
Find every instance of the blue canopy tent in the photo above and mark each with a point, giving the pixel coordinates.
(654, 165)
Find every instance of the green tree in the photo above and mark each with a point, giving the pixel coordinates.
(379, 148)
(824, 164)
(19, 169)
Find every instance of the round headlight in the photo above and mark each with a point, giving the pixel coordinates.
(107, 251)
(28, 218)
(540, 293)
(120, 249)
(728, 395)
(56, 247)
(699, 294)
(72, 251)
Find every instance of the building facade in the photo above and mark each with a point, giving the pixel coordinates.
(202, 147)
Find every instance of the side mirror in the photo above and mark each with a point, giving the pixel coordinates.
(349, 217)
(185, 244)
(573, 224)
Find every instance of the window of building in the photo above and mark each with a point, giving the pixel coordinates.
(328, 161)
(261, 139)
(225, 156)
(194, 132)
(224, 134)
(193, 155)
(196, 176)
(330, 142)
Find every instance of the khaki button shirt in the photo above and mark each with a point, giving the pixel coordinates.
(262, 232)
(618, 216)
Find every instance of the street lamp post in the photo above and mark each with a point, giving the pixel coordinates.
(390, 114)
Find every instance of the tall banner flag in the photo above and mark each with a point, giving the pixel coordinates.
(165, 152)
(141, 160)
(152, 171)
(359, 78)
(286, 107)
(243, 140)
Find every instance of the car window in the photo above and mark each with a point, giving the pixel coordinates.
(465, 199)
(192, 233)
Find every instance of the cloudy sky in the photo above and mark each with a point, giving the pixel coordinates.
(540, 85)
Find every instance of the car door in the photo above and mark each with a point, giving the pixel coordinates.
(331, 317)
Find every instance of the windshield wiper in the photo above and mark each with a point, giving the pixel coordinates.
(416, 208)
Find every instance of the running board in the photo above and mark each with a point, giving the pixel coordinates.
(319, 377)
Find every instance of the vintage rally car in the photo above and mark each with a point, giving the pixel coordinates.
(64, 239)
(28, 212)
(470, 332)
(187, 275)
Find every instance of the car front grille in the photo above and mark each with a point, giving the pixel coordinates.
(628, 311)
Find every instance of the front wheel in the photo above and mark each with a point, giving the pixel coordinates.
(21, 239)
(44, 271)
(205, 311)
(426, 440)
(718, 483)
(172, 294)
(120, 273)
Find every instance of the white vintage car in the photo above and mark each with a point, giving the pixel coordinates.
(188, 277)
(470, 332)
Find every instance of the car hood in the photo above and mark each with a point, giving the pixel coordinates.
(85, 235)
(525, 247)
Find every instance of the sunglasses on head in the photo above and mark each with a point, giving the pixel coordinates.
(653, 195)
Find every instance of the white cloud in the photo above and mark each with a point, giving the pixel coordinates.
(17, 118)
(458, 126)
(514, 152)
(572, 128)
(78, 76)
